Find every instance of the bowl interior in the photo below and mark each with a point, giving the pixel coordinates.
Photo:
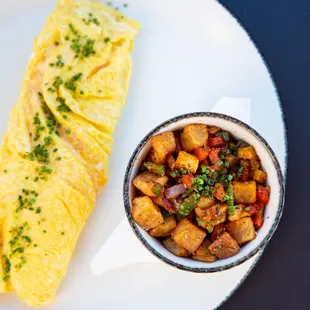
(272, 211)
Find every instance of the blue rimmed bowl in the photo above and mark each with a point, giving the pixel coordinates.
(273, 210)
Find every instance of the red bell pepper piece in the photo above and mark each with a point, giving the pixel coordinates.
(187, 180)
(254, 208)
(219, 192)
(205, 162)
(244, 175)
(214, 158)
(201, 153)
(216, 141)
(263, 194)
(258, 220)
(214, 154)
(258, 217)
(217, 230)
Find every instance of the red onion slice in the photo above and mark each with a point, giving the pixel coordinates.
(175, 191)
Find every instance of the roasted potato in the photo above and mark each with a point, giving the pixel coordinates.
(244, 192)
(145, 213)
(205, 202)
(240, 211)
(242, 230)
(188, 235)
(203, 254)
(236, 214)
(209, 217)
(162, 145)
(225, 246)
(260, 176)
(194, 136)
(146, 181)
(174, 248)
(164, 229)
(247, 152)
(187, 161)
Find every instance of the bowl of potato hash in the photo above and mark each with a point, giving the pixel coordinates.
(203, 192)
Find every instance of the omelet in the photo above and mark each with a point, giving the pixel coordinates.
(55, 152)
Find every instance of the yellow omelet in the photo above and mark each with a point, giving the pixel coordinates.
(54, 157)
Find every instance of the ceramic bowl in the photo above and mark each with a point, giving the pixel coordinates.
(273, 210)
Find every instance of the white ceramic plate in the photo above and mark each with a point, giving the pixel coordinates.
(187, 56)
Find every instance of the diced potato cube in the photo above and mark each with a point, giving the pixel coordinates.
(162, 145)
(145, 213)
(225, 246)
(239, 212)
(203, 254)
(247, 152)
(242, 230)
(188, 235)
(244, 192)
(236, 214)
(146, 181)
(209, 217)
(164, 229)
(260, 176)
(205, 202)
(187, 161)
(174, 248)
(194, 136)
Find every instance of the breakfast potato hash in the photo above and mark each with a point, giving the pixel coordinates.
(201, 192)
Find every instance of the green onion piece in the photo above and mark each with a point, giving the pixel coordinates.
(231, 210)
(225, 135)
(155, 168)
(184, 171)
(188, 191)
(210, 230)
(188, 205)
(157, 189)
(229, 197)
(232, 146)
(242, 144)
(174, 173)
(178, 216)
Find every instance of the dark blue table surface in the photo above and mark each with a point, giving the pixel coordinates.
(281, 30)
